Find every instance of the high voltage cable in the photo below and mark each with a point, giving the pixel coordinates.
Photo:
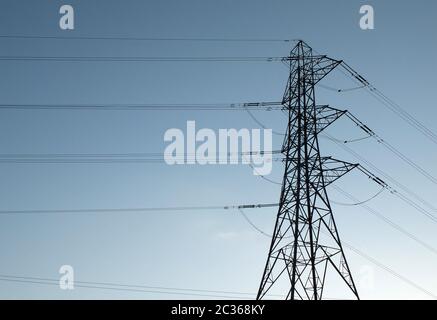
(101, 161)
(358, 202)
(352, 140)
(386, 101)
(389, 103)
(406, 116)
(128, 154)
(382, 173)
(130, 38)
(137, 288)
(252, 224)
(385, 175)
(124, 289)
(96, 158)
(389, 270)
(425, 129)
(390, 147)
(137, 210)
(112, 284)
(255, 106)
(139, 59)
(340, 90)
(386, 220)
(264, 177)
(261, 124)
(414, 165)
(393, 191)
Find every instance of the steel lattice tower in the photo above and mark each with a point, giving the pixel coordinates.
(306, 249)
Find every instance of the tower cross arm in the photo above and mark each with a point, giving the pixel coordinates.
(334, 169)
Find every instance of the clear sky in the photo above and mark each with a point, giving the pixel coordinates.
(211, 250)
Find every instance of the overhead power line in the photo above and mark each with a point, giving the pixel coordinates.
(255, 119)
(130, 157)
(55, 282)
(404, 198)
(127, 154)
(249, 221)
(139, 59)
(163, 39)
(119, 155)
(389, 270)
(359, 202)
(391, 148)
(388, 102)
(387, 220)
(103, 160)
(137, 286)
(254, 106)
(138, 210)
(351, 140)
(340, 89)
(224, 294)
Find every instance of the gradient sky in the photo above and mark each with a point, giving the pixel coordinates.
(214, 250)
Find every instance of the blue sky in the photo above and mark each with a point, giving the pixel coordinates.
(214, 250)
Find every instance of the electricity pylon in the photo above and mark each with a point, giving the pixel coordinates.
(306, 250)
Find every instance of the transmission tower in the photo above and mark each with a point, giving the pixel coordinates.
(306, 252)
